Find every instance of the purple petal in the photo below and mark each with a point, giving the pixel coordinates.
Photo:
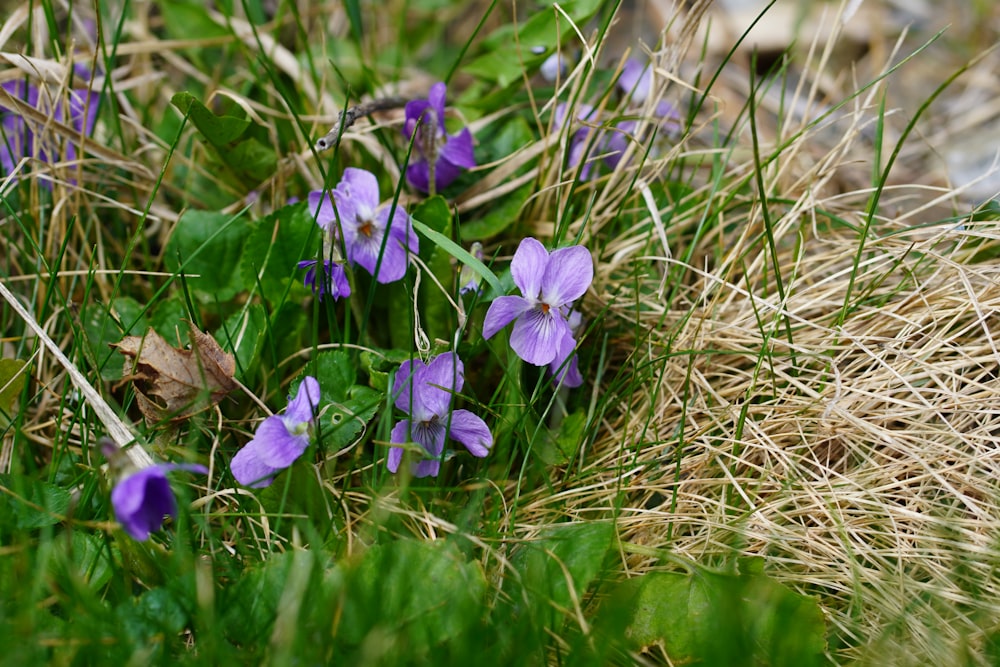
(445, 174)
(395, 457)
(553, 67)
(502, 312)
(407, 431)
(537, 334)
(334, 281)
(564, 367)
(435, 384)
(667, 111)
(322, 210)
(436, 98)
(471, 431)
(426, 468)
(366, 250)
(403, 384)
(636, 80)
(302, 408)
(568, 375)
(249, 470)
(617, 142)
(83, 110)
(578, 148)
(361, 186)
(275, 445)
(418, 175)
(528, 267)
(583, 113)
(429, 435)
(459, 150)
(400, 229)
(339, 285)
(567, 276)
(356, 198)
(413, 111)
(142, 500)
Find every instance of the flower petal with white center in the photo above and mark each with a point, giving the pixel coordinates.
(536, 335)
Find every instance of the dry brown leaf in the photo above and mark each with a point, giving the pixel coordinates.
(172, 383)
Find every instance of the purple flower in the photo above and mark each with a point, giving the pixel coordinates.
(334, 278)
(279, 440)
(441, 154)
(554, 67)
(584, 141)
(636, 80)
(424, 392)
(365, 225)
(142, 499)
(564, 367)
(549, 284)
(17, 140)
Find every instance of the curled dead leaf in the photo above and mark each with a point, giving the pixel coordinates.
(173, 383)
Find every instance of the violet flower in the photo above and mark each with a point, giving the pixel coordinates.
(554, 67)
(142, 499)
(424, 392)
(365, 225)
(636, 80)
(564, 367)
(334, 281)
(441, 156)
(549, 284)
(279, 440)
(18, 140)
(584, 141)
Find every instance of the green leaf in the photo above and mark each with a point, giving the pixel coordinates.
(89, 554)
(34, 503)
(379, 364)
(190, 21)
(435, 213)
(168, 318)
(208, 245)
(243, 334)
(236, 143)
(710, 618)
(275, 246)
(560, 447)
(105, 327)
(217, 130)
(509, 48)
(410, 596)
(351, 415)
(335, 373)
(558, 567)
(501, 215)
(251, 604)
(148, 620)
(12, 382)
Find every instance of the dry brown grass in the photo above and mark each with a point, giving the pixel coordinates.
(855, 449)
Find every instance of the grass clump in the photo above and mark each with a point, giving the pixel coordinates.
(779, 448)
